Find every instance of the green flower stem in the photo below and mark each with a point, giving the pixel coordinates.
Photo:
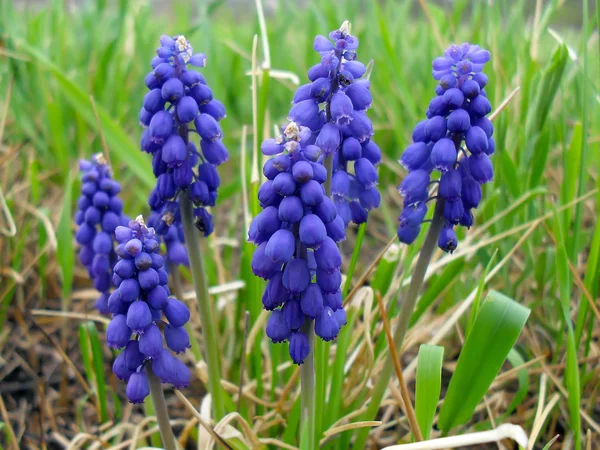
(162, 415)
(329, 167)
(308, 418)
(211, 342)
(408, 306)
(307, 391)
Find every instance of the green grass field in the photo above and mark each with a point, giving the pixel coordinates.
(72, 77)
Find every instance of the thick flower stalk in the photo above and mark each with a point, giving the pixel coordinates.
(456, 116)
(456, 127)
(333, 105)
(180, 103)
(138, 305)
(296, 234)
(179, 106)
(99, 212)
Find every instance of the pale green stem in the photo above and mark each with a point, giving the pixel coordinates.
(307, 370)
(160, 409)
(211, 342)
(408, 306)
(329, 167)
(307, 385)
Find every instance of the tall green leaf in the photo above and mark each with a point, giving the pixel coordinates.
(494, 333)
(429, 384)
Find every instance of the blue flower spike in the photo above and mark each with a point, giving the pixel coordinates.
(139, 306)
(99, 213)
(333, 108)
(456, 141)
(296, 234)
(178, 107)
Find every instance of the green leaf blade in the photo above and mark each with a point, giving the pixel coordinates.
(429, 384)
(493, 335)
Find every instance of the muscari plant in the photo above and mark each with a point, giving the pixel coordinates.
(456, 118)
(178, 109)
(455, 140)
(178, 103)
(321, 176)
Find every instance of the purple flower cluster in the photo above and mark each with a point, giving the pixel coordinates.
(296, 234)
(138, 304)
(178, 99)
(333, 105)
(174, 239)
(99, 212)
(456, 116)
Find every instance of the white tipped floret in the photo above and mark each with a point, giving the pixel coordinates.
(99, 158)
(292, 131)
(184, 48)
(181, 43)
(346, 27)
(140, 219)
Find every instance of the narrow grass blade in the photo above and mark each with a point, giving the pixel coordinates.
(429, 384)
(572, 384)
(592, 273)
(538, 113)
(93, 363)
(571, 379)
(123, 147)
(355, 254)
(98, 366)
(494, 333)
(65, 251)
(84, 348)
(550, 443)
(384, 272)
(572, 165)
(57, 129)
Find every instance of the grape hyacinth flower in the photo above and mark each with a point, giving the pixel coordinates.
(333, 106)
(174, 241)
(99, 212)
(138, 305)
(180, 102)
(456, 123)
(296, 234)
